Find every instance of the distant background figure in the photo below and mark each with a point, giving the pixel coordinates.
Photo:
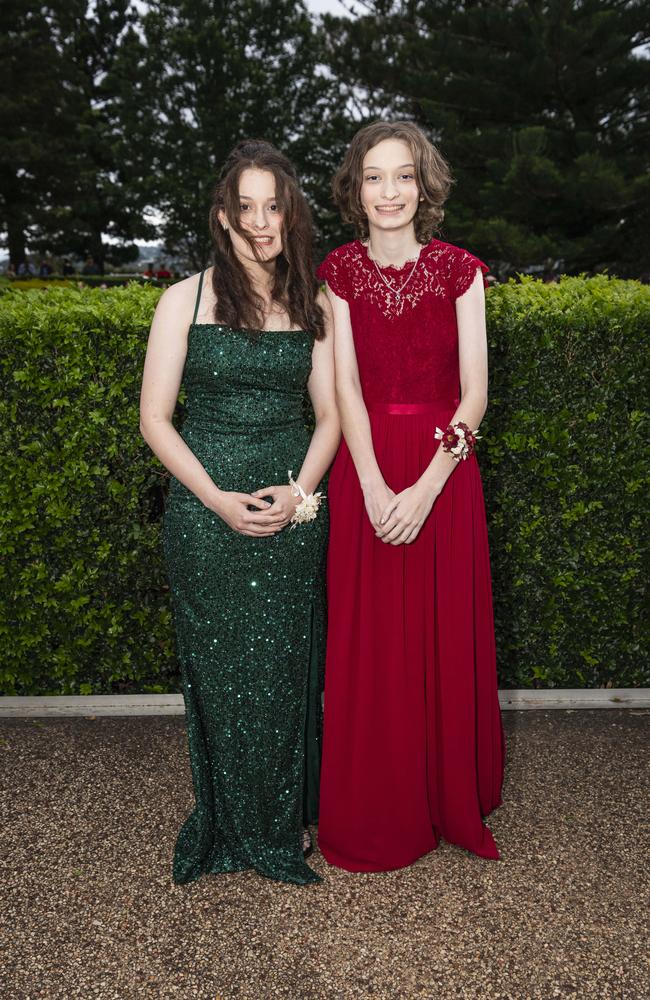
(67, 268)
(90, 266)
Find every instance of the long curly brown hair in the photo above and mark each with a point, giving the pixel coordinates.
(294, 286)
(432, 173)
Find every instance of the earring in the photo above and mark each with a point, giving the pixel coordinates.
(225, 227)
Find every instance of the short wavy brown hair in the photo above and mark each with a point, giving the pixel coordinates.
(432, 173)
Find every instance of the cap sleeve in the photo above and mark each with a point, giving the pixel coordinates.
(463, 271)
(334, 272)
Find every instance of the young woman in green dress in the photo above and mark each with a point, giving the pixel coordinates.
(244, 553)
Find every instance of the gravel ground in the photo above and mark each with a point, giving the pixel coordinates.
(91, 809)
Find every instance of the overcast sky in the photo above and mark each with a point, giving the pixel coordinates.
(330, 6)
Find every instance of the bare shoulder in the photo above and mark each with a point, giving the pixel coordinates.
(181, 296)
(174, 313)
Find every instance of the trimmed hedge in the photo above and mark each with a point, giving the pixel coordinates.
(83, 600)
(565, 469)
(84, 604)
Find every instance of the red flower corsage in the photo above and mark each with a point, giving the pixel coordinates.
(458, 440)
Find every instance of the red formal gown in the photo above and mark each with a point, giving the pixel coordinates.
(413, 746)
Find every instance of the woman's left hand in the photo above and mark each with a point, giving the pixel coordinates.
(404, 516)
(284, 503)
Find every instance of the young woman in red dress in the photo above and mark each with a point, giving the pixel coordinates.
(413, 745)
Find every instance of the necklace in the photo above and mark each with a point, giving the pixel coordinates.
(397, 292)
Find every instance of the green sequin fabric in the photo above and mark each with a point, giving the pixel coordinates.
(248, 612)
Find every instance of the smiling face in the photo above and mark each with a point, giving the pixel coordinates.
(389, 192)
(259, 215)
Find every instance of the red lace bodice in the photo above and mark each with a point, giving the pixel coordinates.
(407, 349)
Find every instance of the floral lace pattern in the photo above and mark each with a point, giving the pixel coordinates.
(442, 269)
(407, 345)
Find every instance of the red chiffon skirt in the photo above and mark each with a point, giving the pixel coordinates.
(413, 746)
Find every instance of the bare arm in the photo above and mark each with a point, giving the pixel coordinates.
(322, 392)
(473, 361)
(354, 415)
(404, 516)
(163, 371)
(327, 432)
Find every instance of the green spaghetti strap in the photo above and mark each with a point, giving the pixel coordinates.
(198, 299)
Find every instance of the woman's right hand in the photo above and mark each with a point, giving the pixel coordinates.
(377, 496)
(233, 509)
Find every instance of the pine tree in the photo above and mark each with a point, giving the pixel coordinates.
(541, 107)
(30, 109)
(67, 179)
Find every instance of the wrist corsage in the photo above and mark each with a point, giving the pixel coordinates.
(307, 509)
(458, 440)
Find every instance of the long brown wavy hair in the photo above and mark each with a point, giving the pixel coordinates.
(294, 286)
(432, 174)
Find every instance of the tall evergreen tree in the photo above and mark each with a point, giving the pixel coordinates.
(105, 199)
(67, 178)
(541, 106)
(30, 107)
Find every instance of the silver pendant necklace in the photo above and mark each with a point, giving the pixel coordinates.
(397, 292)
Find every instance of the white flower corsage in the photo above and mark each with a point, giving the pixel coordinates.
(307, 509)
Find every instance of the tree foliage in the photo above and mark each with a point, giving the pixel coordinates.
(29, 107)
(66, 164)
(541, 108)
(115, 115)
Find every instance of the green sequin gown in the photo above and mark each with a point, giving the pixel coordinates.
(248, 612)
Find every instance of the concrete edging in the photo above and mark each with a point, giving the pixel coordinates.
(172, 704)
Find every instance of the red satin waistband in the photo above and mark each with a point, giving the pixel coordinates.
(406, 409)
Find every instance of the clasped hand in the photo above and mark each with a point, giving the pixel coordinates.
(269, 517)
(403, 516)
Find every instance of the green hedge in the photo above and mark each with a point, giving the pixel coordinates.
(84, 607)
(565, 468)
(84, 600)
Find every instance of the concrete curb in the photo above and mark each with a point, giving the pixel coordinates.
(172, 704)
